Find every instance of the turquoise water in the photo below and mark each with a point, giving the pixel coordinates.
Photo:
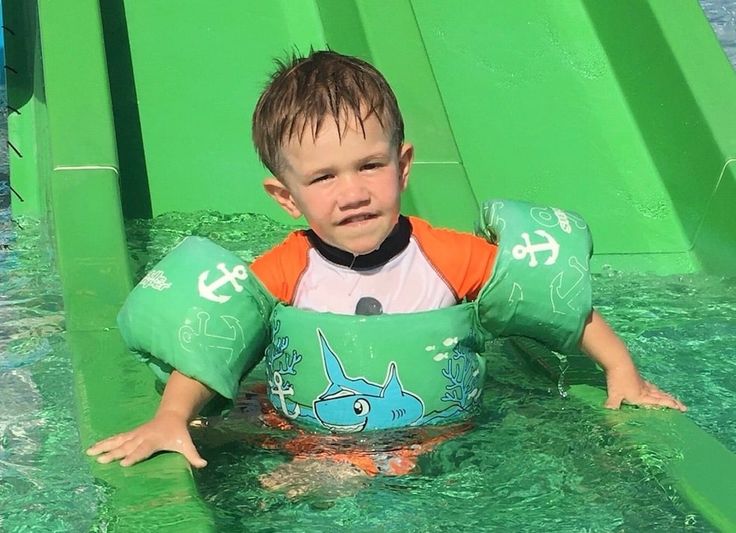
(532, 463)
(722, 17)
(45, 483)
(535, 460)
(682, 332)
(534, 457)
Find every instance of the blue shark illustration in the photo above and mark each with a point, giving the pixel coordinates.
(355, 404)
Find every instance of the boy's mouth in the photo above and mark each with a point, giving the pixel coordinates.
(355, 219)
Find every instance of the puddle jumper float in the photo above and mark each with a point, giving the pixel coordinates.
(201, 311)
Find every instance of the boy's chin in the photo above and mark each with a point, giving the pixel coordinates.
(361, 246)
(364, 238)
(360, 249)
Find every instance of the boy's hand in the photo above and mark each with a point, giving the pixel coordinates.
(165, 432)
(623, 381)
(625, 385)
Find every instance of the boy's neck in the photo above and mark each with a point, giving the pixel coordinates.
(393, 245)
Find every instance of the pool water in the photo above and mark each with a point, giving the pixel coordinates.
(722, 17)
(45, 482)
(534, 457)
(682, 332)
(535, 460)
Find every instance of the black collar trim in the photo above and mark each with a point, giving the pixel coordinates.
(395, 243)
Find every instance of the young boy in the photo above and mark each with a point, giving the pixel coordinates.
(329, 129)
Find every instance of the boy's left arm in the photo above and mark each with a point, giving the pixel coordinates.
(623, 381)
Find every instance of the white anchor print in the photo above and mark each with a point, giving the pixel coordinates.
(576, 274)
(520, 251)
(278, 389)
(208, 291)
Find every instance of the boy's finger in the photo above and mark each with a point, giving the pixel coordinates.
(656, 396)
(667, 401)
(192, 455)
(674, 403)
(613, 402)
(141, 452)
(118, 453)
(107, 444)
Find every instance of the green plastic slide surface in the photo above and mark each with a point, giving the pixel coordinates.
(700, 467)
(621, 111)
(630, 125)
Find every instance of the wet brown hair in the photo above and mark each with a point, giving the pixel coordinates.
(304, 91)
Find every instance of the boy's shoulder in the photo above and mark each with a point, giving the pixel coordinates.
(463, 259)
(284, 262)
(446, 238)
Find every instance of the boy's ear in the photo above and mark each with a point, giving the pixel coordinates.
(279, 192)
(406, 158)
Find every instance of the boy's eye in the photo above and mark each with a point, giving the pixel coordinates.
(370, 166)
(320, 178)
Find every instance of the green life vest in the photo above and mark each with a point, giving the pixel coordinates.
(358, 373)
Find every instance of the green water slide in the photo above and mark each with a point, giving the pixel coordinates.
(623, 111)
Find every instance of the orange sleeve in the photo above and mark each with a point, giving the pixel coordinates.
(281, 267)
(463, 260)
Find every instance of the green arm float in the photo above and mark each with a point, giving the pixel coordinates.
(540, 286)
(200, 311)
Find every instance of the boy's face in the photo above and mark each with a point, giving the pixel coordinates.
(348, 189)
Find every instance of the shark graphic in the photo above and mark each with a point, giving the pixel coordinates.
(355, 404)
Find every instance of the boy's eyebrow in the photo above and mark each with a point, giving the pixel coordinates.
(320, 171)
(375, 155)
(372, 157)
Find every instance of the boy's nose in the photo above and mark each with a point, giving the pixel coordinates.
(353, 193)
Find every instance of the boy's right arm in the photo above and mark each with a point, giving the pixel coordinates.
(168, 430)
